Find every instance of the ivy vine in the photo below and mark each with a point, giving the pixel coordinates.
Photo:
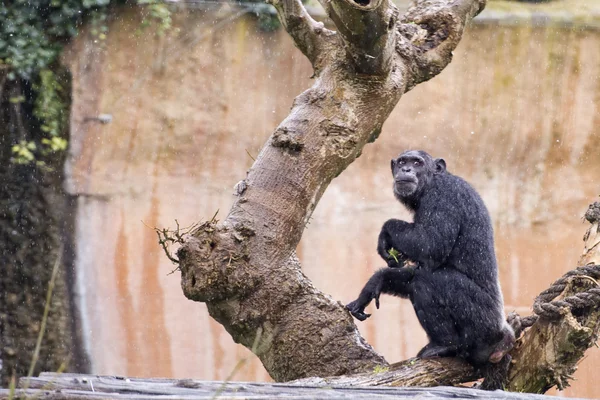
(32, 35)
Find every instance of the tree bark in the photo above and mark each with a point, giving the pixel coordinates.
(245, 268)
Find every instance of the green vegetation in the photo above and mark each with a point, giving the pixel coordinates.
(157, 13)
(379, 369)
(393, 253)
(32, 35)
(51, 110)
(34, 91)
(31, 30)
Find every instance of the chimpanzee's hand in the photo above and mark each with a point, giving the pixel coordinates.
(385, 243)
(392, 257)
(357, 307)
(358, 310)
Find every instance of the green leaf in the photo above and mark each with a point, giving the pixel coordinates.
(393, 253)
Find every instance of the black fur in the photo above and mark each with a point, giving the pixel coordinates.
(454, 288)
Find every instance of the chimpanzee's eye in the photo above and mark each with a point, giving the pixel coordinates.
(418, 163)
(401, 162)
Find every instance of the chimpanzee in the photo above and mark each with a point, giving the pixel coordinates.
(454, 286)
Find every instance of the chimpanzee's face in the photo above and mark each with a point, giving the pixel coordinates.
(412, 171)
(408, 170)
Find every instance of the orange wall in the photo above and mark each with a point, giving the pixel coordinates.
(517, 113)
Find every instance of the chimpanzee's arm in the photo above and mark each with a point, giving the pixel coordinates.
(394, 281)
(428, 241)
(384, 244)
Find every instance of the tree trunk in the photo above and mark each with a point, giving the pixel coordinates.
(245, 268)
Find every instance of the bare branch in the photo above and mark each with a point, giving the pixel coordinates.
(367, 27)
(308, 34)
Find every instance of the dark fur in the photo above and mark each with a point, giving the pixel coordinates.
(454, 288)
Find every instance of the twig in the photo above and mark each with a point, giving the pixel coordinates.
(50, 384)
(167, 236)
(240, 364)
(162, 240)
(11, 387)
(213, 220)
(38, 344)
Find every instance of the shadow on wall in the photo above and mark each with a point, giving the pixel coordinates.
(517, 113)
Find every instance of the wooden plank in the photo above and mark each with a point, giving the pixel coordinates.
(76, 386)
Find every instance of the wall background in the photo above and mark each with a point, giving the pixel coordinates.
(517, 113)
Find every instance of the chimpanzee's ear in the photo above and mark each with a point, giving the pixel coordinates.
(440, 165)
(393, 164)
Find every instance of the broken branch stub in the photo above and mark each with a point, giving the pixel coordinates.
(301, 331)
(214, 263)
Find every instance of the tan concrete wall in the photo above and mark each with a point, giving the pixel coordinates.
(517, 113)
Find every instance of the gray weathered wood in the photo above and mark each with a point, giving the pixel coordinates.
(76, 386)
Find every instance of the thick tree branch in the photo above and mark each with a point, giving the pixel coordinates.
(424, 37)
(244, 268)
(430, 31)
(309, 35)
(549, 352)
(367, 28)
